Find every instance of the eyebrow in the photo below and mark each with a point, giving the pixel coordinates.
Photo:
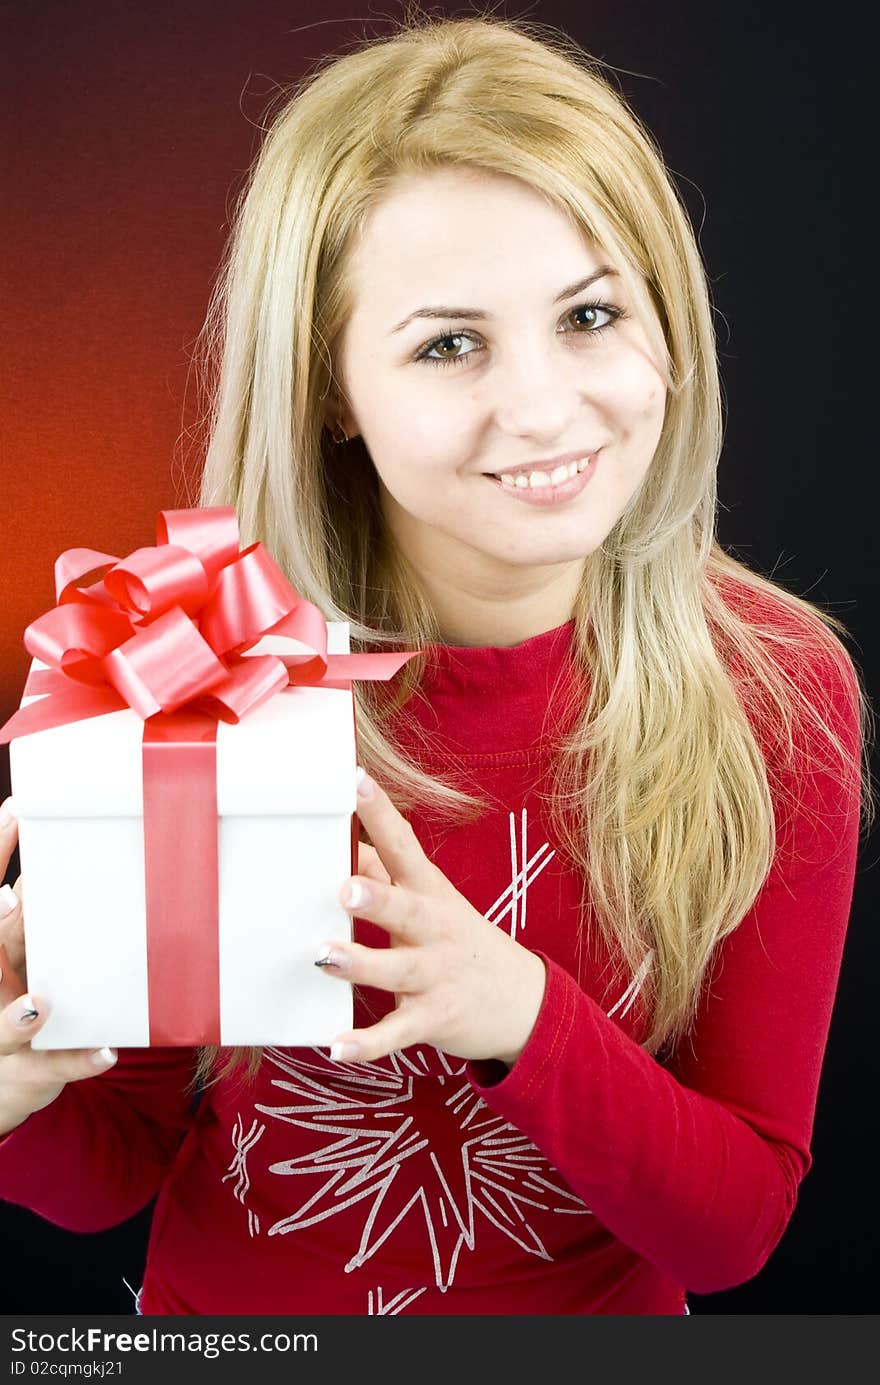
(477, 314)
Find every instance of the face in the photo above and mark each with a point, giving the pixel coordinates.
(443, 400)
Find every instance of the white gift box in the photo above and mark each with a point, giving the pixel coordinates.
(285, 798)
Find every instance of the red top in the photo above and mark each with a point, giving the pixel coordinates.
(589, 1179)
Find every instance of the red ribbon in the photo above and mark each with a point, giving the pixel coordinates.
(167, 627)
(165, 633)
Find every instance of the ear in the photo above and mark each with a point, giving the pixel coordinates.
(337, 414)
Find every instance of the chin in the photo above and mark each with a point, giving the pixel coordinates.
(548, 554)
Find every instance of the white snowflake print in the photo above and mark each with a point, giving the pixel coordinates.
(372, 1143)
(510, 900)
(378, 1308)
(380, 1154)
(238, 1168)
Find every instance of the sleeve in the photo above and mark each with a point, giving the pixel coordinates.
(97, 1154)
(696, 1165)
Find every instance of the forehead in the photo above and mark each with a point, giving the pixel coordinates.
(450, 231)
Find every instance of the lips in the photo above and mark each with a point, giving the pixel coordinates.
(565, 459)
(549, 493)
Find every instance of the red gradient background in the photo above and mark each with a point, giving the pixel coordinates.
(130, 130)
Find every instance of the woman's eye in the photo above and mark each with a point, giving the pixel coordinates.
(586, 329)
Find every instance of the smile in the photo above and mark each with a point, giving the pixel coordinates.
(541, 488)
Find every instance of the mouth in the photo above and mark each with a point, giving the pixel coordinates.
(555, 471)
(547, 488)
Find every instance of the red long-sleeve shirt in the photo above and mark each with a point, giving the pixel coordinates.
(589, 1178)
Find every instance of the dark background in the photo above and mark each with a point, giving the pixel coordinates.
(130, 127)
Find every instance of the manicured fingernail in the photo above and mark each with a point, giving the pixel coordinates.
(7, 813)
(26, 1012)
(344, 1053)
(357, 895)
(104, 1057)
(333, 957)
(365, 785)
(8, 900)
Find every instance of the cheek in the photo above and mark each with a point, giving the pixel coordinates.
(414, 477)
(403, 442)
(417, 447)
(654, 411)
(655, 398)
(643, 399)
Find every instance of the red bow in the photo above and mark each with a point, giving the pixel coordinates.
(169, 627)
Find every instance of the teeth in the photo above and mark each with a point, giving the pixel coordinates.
(542, 478)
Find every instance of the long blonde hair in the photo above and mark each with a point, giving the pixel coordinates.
(662, 785)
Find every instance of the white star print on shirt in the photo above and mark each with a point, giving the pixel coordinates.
(376, 1154)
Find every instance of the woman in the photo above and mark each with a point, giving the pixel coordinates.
(468, 398)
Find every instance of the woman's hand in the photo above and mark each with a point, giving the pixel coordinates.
(460, 983)
(29, 1078)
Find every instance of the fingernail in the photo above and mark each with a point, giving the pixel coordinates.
(103, 1058)
(357, 895)
(8, 900)
(333, 957)
(26, 1012)
(7, 813)
(365, 785)
(344, 1053)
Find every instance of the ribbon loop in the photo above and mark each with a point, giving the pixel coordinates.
(75, 638)
(210, 533)
(250, 596)
(163, 666)
(248, 684)
(152, 580)
(71, 567)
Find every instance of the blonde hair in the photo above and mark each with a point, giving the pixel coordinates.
(661, 790)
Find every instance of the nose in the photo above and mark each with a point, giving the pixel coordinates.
(540, 396)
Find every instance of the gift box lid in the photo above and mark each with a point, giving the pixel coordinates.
(294, 754)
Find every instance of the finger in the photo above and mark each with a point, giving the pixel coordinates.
(21, 1021)
(8, 834)
(395, 969)
(393, 908)
(370, 863)
(11, 927)
(396, 1030)
(20, 1018)
(392, 835)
